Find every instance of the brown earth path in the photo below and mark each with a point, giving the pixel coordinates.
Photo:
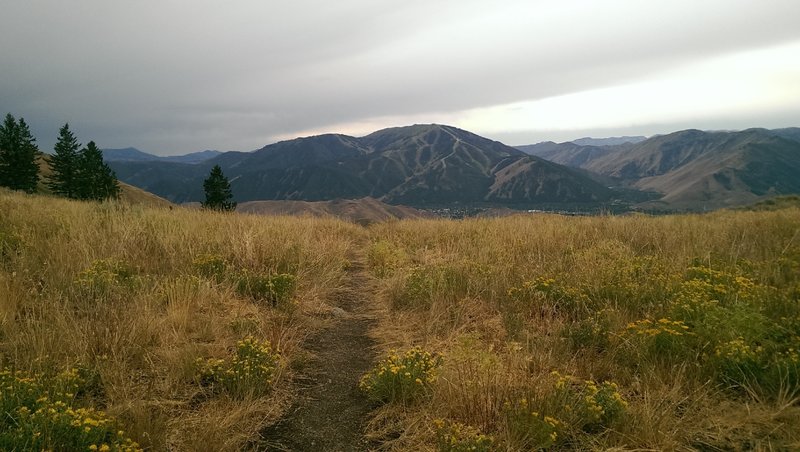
(331, 411)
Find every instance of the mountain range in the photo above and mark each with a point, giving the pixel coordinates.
(693, 169)
(418, 165)
(135, 155)
(438, 165)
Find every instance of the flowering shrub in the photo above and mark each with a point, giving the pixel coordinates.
(548, 295)
(587, 404)
(251, 371)
(401, 377)
(528, 429)
(593, 332)
(210, 266)
(663, 338)
(104, 275)
(274, 289)
(457, 437)
(40, 413)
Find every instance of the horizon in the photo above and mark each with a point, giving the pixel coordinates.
(447, 125)
(152, 77)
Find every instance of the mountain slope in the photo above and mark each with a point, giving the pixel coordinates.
(414, 165)
(135, 155)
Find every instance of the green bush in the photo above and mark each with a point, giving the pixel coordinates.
(528, 429)
(105, 276)
(587, 405)
(40, 413)
(210, 266)
(251, 371)
(401, 378)
(274, 289)
(384, 258)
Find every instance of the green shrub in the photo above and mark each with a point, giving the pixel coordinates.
(274, 289)
(528, 429)
(401, 378)
(210, 266)
(251, 371)
(384, 258)
(592, 333)
(588, 405)
(40, 413)
(457, 437)
(664, 340)
(106, 275)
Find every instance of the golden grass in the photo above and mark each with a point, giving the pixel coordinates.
(142, 332)
(615, 269)
(115, 290)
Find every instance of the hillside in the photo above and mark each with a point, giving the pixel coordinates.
(135, 155)
(416, 165)
(694, 169)
(129, 194)
(171, 330)
(362, 211)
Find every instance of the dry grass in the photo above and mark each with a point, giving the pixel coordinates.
(141, 326)
(446, 286)
(115, 290)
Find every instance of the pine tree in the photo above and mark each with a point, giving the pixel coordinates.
(18, 152)
(64, 164)
(94, 179)
(218, 191)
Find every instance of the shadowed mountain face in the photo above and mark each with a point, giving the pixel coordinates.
(415, 165)
(692, 168)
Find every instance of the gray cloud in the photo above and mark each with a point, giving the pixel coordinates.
(179, 76)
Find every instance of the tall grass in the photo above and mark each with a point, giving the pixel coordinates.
(116, 292)
(694, 317)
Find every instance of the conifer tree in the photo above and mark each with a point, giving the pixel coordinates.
(94, 179)
(18, 153)
(218, 191)
(64, 164)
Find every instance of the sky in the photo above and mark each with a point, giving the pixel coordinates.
(173, 76)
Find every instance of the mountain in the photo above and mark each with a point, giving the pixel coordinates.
(694, 169)
(569, 153)
(415, 165)
(135, 155)
(610, 141)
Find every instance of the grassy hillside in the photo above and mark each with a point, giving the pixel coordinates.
(587, 333)
(188, 329)
(141, 302)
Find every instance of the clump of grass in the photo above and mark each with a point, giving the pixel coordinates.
(250, 372)
(401, 378)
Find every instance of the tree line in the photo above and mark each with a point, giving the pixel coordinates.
(76, 173)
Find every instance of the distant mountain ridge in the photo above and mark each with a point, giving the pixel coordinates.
(135, 155)
(414, 165)
(694, 168)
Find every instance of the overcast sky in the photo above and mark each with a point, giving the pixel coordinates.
(172, 77)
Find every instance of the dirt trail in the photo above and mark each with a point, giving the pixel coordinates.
(331, 411)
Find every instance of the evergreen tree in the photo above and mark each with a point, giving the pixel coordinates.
(218, 191)
(64, 164)
(94, 179)
(18, 152)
